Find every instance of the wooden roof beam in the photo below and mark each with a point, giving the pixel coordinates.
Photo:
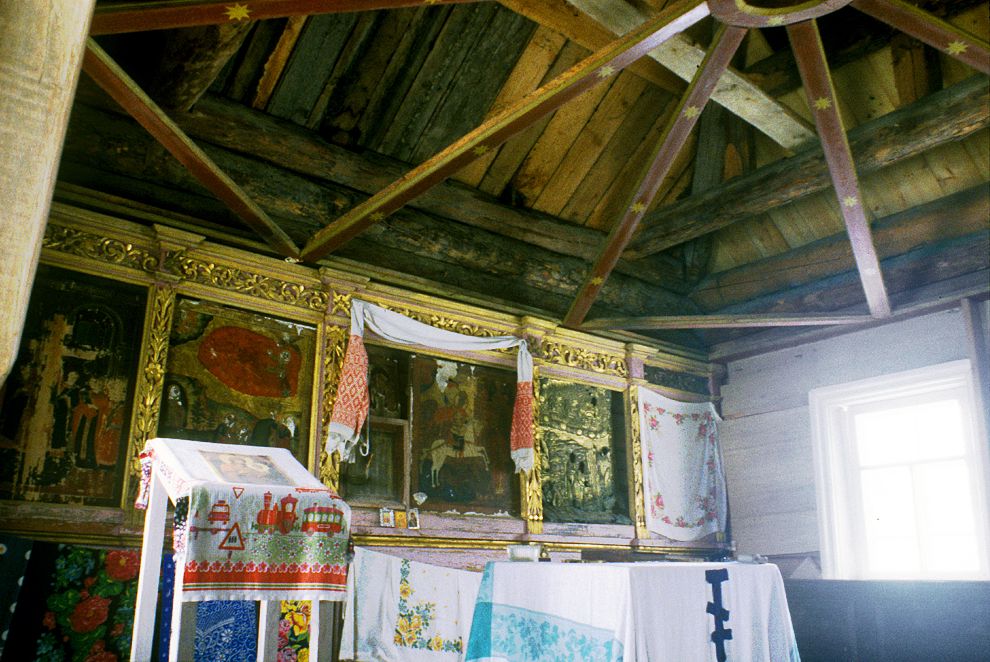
(735, 92)
(682, 120)
(600, 66)
(940, 35)
(116, 18)
(719, 321)
(115, 82)
(945, 116)
(810, 56)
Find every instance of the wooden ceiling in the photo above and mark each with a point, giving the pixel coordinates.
(559, 156)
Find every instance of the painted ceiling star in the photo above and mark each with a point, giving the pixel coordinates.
(606, 71)
(774, 21)
(377, 216)
(480, 149)
(596, 281)
(957, 47)
(238, 12)
(823, 103)
(850, 201)
(691, 111)
(638, 207)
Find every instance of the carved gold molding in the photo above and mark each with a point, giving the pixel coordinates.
(107, 250)
(635, 443)
(335, 343)
(252, 284)
(558, 353)
(531, 483)
(151, 379)
(446, 322)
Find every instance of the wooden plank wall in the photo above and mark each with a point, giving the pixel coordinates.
(766, 437)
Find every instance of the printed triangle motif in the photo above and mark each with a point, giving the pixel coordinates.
(238, 491)
(233, 541)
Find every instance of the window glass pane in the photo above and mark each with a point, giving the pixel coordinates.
(888, 502)
(945, 497)
(951, 555)
(910, 433)
(893, 556)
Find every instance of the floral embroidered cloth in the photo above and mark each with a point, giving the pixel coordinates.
(545, 612)
(271, 531)
(683, 480)
(401, 610)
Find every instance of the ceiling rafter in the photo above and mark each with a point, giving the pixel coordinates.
(120, 18)
(115, 82)
(682, 120)
(937, 33)
(600, 66)
(810, 56)
(735, 92)
(719, 321)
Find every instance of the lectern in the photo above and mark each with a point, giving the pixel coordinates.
(250, 524)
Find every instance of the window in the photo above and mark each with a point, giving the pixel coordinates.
(901, 477)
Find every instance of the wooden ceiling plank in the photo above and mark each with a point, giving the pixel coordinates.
(432, 82)
(735, 92)
(551, 147)
(531, 67)
(897, 233)
(476, 84)
(601, 65)
(636, 129)
(354, 49)
(560, 17)
(940, 35)
(810, 56)
(590, 143)
(108, 75)
(945, 116)
(513, 152)
(719, 321)
(277, 61)
(116, 18)
(344, 120)
(724, 45)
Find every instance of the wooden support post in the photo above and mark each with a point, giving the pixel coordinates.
(41, 47)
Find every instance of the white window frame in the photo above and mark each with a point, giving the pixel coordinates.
(842, 539)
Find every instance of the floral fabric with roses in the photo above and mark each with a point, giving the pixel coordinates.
(90, 611)
(683, 479)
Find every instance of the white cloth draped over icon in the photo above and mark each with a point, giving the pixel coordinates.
(683, 478)
(350, 409)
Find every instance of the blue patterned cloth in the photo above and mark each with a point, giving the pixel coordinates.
(225, 631)
(509, 632)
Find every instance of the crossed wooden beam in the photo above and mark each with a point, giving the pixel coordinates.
(598, 67)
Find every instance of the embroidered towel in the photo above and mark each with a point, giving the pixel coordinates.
(258, 542)
(529, 612)
(711, 611)
(400, 610)
(351, 406)
(683, 479)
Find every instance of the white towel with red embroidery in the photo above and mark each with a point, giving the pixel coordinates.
(351, 406)
(683, 478)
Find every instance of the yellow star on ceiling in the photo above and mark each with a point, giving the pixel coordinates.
(430, 2)
(377, 216)
(775, 20)
(596, 281)
(823, 103)
(480, 149)
(606, 71)
(691, 111)
(957, 47)
(238, 12)
(850, 201)
(638, 208)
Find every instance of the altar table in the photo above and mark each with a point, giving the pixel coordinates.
(637, 611)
